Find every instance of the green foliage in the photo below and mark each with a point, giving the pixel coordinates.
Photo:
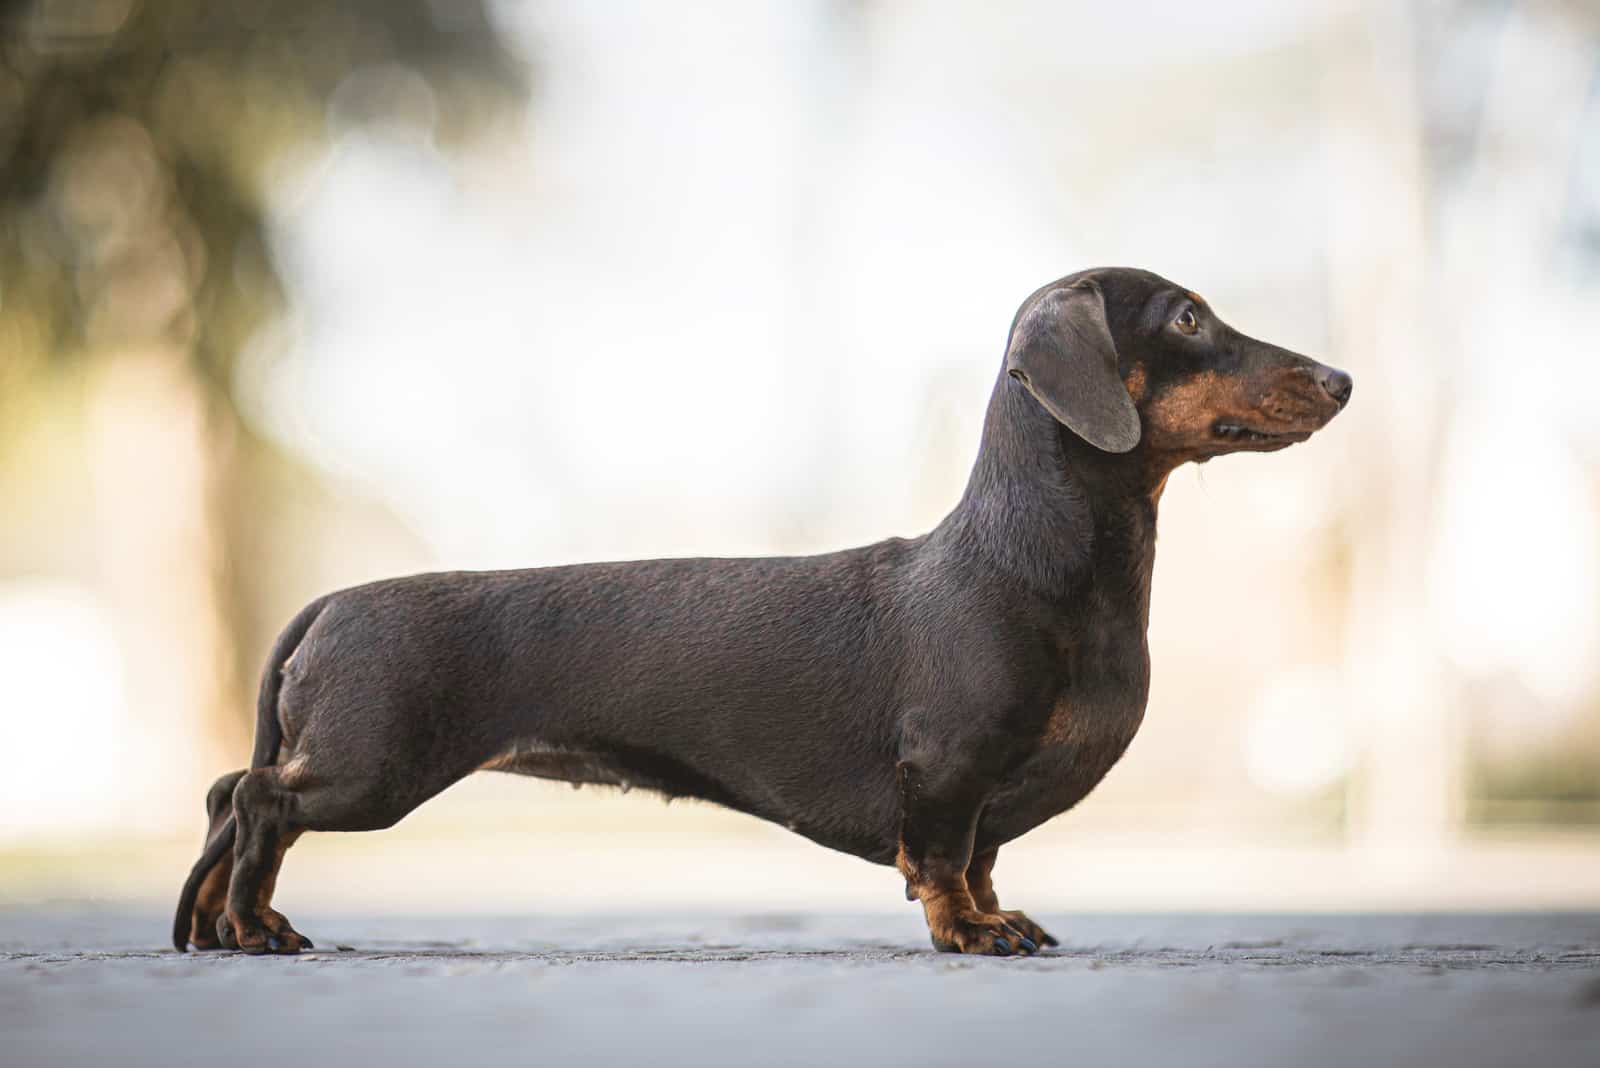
(137, 143)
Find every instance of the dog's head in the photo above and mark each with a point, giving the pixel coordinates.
(1130, 361)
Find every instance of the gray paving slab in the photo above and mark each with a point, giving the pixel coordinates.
(86, 985)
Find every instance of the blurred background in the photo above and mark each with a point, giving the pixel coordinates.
(301, 294)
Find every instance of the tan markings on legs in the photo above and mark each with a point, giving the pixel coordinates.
(980, 881)
(212, 898)
(979, 884)
(261, 805)
(270, 884)
(211, 903)
(956, 922)
(943, 892)
(271, 918)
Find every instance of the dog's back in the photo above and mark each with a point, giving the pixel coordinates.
(763, 684)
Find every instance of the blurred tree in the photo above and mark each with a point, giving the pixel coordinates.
(138, 145)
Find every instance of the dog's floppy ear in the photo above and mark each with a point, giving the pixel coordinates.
(1061, 350)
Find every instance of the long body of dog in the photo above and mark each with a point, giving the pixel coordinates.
(915, 702)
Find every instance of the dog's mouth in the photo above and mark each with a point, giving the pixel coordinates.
(1238, 436)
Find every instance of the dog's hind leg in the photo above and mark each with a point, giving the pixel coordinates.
(264, 809)
(273, 806)
(213, 896)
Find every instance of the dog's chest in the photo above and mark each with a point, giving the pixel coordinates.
(1083, 739)
(1089, 725)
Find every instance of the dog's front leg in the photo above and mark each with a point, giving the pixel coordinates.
(938, 817)
(980, 882)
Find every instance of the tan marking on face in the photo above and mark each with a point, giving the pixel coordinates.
(1181, 417)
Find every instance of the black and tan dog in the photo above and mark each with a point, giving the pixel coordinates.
(917, 703)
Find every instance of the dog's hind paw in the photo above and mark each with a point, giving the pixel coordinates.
(270, 933)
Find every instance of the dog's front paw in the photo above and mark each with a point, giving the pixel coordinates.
(1019, 919)
(989, 934)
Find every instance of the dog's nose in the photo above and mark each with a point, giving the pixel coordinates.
(1338, 384)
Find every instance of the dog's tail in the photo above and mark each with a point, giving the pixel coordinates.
(269, 736)
(269, 732)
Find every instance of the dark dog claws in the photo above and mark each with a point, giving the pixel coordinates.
(1028, 946)
(1002, 947)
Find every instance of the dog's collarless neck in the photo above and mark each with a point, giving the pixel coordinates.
(1051, 510)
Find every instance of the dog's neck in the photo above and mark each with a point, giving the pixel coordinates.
(1053, 512)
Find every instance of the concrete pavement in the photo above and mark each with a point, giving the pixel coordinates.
(86, 985)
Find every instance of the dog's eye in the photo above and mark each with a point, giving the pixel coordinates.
(1186, 322)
